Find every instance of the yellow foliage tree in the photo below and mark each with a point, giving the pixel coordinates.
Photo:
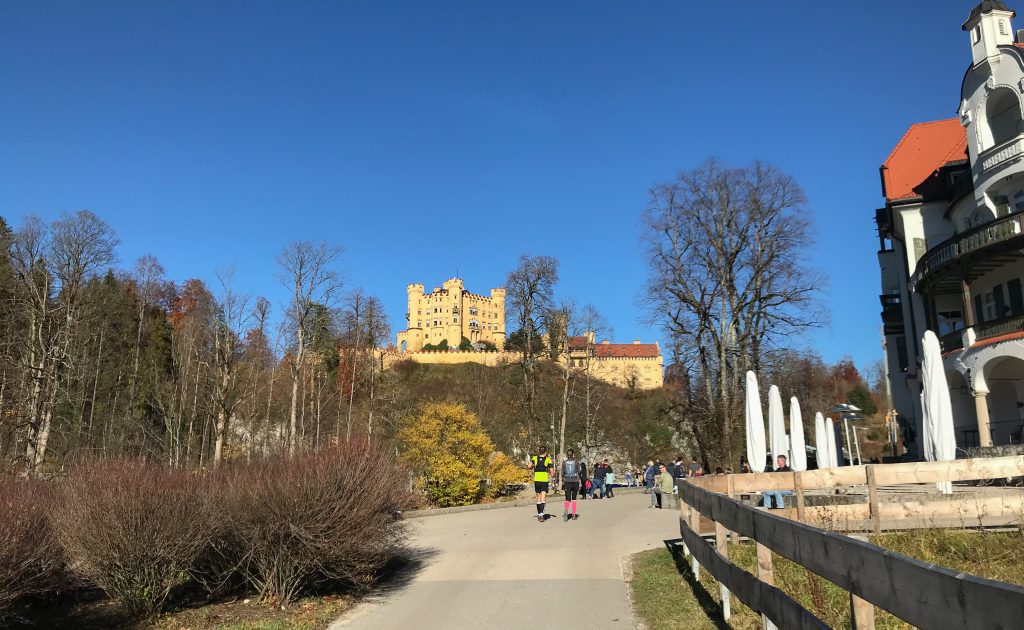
(504, 476)
(448, 451)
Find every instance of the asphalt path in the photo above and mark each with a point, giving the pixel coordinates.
(502, 568)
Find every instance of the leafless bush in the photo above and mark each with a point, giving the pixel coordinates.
(328, 516)
(31, 560)
(133, 528)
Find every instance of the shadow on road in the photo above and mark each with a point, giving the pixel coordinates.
(707, 603)
(401, 571)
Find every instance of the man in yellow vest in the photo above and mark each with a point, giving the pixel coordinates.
(542, 469)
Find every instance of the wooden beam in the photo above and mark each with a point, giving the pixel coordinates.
(885, 475)
(876, 519)
(799, 489)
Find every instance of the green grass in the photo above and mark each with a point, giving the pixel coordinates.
(665, 594)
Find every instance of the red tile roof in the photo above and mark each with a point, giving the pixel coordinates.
(923, 150)
(577, 342)
(992, 340)
(627, 350)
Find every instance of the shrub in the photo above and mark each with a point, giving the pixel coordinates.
(327, 516)
(504, 476)
(448, 452)
(31, 560)
(132, 528)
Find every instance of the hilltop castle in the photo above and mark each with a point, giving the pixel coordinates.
(450, 313)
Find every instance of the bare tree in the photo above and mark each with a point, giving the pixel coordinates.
(726, 249)
(231, 320)
(52, 265)
(307, 272)
(562, 331)
(593, 325)
(530, 290)
(377, 331)
(354, 314)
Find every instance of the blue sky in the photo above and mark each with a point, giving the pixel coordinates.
(426, 137)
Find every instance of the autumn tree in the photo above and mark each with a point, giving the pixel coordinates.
(448, 451)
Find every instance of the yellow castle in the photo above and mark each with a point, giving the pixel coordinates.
(451, 313)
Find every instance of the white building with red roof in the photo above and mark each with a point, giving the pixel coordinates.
(951, 244)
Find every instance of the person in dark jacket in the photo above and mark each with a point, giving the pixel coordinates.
(584, 491)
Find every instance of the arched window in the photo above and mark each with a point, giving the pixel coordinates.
(1002, 109)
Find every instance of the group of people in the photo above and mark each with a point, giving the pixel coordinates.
(576, 483)
(659, 479)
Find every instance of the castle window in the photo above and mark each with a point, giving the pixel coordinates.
(1002, 27)
(977, 34)
(1002, 111)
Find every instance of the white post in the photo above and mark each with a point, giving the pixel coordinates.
(849, 447)
(856, 442)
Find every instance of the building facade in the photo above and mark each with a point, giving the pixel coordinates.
(631, 365)
(951, 245)
(450, 313)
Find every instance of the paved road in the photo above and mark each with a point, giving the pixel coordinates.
(499, 569)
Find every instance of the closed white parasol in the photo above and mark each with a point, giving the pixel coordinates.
(821, 442)
(797, 444)
(830, 437)
(938, 438)
(756, 447)
(779, 442)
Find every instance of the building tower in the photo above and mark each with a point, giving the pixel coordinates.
(989, 28)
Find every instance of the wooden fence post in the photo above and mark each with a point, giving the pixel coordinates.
(730, 485)
(765, 573)
(876, 518)
(798, 485)
(862, 614)
(723, 548)
(695, 526)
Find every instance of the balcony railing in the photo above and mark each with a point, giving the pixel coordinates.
(1001, 153)
(970, 241)
(1003, 326)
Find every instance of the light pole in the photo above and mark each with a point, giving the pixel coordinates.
(848, 413)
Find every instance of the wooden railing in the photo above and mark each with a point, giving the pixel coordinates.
(992, 233)
(920, 593)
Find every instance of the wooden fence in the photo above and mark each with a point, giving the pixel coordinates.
(923, 594)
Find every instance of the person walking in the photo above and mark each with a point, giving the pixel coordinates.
(649, 474)
(609, 480)
(570, 484)
(597, 482)
(542, 469)
(584, 481)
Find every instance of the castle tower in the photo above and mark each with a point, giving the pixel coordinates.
(413, 335)
(498, 297)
